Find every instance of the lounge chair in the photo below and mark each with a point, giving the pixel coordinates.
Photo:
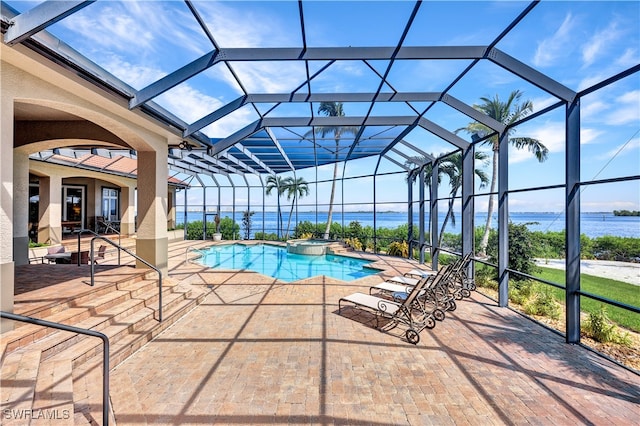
(419, 273)
(433, 299)
(408, 312)
(461, 284)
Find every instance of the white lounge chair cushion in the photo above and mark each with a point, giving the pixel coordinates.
(404, 280)
(373, 302)
(421, 273)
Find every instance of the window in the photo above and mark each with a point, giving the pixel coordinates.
(110, 203)
(72, 208)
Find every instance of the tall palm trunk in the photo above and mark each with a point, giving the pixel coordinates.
(487, 228)
(333, 192)
(444, 224)
(290, 214)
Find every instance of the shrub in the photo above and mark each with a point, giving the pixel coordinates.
(306, 236)
(194, 230)
(229, 229)
(355, 230)
(616, 248)
(521, 249)
(266, 236)
(542, 302)
(599, 328)
(354, 243)
(400, 249)
(304, 228)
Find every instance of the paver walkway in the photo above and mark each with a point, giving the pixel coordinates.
(259, 351)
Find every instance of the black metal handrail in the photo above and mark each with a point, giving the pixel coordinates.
(72, 329)
(83, 231)
(120, 248)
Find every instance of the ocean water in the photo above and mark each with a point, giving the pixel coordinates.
(591, 224)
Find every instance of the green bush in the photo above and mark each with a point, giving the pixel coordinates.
(304, 228)
(400, 249)
(599, 328)
(354, 243)
(272, 236)
(616, 248)
(229, 229)
(521, 249)
(542, 302)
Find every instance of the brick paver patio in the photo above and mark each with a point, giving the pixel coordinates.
(259, 351)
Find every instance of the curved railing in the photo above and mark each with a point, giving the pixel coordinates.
(130, 253)
(188, 249)
(86, 332)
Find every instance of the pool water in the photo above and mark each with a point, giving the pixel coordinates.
(275, 262)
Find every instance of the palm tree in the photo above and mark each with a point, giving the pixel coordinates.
(333, 109)
(452, 167)
(295, 188)
(508, 112)
(277, 183)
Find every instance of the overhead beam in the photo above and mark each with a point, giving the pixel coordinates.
(473, 113)
(274, 139)
(531, 75)
(296, 54)
(443, 133)
(303, 97)
(344, 121)
(171, 80)
(40, 17)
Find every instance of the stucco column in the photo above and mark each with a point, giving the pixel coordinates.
(50, 210)
(20, 207)
(6, 205)
(171, 214)
(127, 210)
(152, 241)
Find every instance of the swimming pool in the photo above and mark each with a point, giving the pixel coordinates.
(275, 262)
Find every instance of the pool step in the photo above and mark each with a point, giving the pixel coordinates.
(59, 374)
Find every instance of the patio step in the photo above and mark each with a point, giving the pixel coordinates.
(57, 375)
(69, 311)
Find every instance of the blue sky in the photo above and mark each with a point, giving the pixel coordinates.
(575, 43)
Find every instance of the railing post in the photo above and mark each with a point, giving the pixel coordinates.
(86, 332)
(135, 256)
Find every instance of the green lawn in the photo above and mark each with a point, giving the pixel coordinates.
(610, 289)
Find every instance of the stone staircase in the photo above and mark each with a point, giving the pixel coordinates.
(55, 377)
(338, 247)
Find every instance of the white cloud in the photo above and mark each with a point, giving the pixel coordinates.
(541, 103)
(592, 108)
(588, 135)
(137, 76)
(625, 114)
(241, 26)
(552, 47)
(629, 58)
(599, 43)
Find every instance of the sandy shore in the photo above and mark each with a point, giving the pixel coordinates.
(620, 271)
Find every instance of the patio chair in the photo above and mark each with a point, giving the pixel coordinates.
(53, 251)
(100, 254)
(405, 312)
(433, 299)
